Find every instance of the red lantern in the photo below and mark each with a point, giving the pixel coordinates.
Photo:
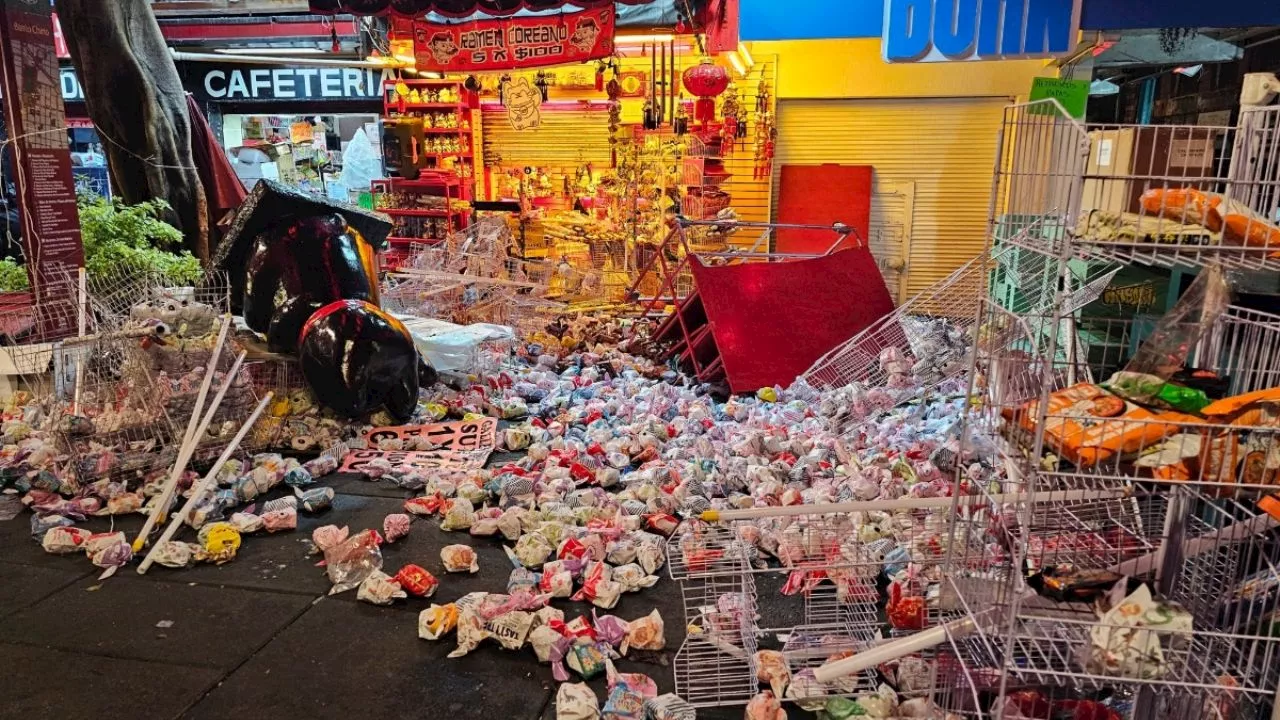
(706, 80)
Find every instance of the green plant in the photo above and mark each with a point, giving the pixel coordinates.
(118, 235)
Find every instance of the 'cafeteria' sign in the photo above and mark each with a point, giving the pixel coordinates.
(248, 83)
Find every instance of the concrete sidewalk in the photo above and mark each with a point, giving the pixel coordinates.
(259, 638)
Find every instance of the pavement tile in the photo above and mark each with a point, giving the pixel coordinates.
(22, 585)
(48, 683)
(356, 660)
(212, 626)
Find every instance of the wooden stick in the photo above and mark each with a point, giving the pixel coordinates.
(188, 449)
(205, 485)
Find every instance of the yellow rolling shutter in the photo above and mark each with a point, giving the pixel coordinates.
(566, 137)
(945, 147)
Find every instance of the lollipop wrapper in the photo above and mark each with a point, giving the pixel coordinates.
(436, 621)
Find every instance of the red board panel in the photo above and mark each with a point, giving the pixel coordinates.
(822, 195)
(773, 320)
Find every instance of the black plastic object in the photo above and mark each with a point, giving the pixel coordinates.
(358, 359)
(402, 139)
(271, 206)
(297, 268)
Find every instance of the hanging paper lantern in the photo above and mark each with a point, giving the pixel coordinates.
(706, 80)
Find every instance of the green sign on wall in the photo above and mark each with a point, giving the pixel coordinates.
(1072, 94)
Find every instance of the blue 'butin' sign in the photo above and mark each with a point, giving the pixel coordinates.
(947, 30)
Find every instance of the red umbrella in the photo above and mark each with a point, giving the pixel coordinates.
(222, 188)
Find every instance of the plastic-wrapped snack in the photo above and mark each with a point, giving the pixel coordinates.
(472, 493)
(557, 583)
(40, 526)
(280, 520)
(588, 659)
(543, 639)
(609, 628)
(669, 707)
(509, 523)
(380, 589)
(395, 526)
(842, 708)
(459, 515)
(220, 541)
(321, 466)
(436, 621)
(297, 477)
(771, 667)
(417, 581)
(633, 578)
(1131, 639)
(515, 439)
(108, 550)
(459, 558)
(651, 557)
(315, 500)
(326, 536)
(423, 505)
(348, 563)
(522, 579)
(621, 551)
(765, 706)
(880, 705)
(378, 468)
(64, 540)
(177, 554)
(576, 701)
(246, 523)
(645, 633)
(627, 694)
(485, 527)
(533, 550)
(808, 693)
(510, 629)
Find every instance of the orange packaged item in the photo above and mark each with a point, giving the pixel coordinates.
(1184, 205)
(1084, 426)
(1239, 409)
(1251, 230)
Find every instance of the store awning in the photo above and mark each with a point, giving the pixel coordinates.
(455, 8)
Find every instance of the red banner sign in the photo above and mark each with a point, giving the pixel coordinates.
(513, 43)
(37, 128)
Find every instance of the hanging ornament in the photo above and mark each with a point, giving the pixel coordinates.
(333, 36)
(706, 80)
(600, 68)
(541, 82)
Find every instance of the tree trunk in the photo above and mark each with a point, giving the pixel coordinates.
(135, 98)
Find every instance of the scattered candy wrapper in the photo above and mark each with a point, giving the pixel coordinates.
(280, 520)
(765, 706)
(669, 707)
(627, 694)
(246, 523)
(326, 536)
(220, 540)
(459, 558)
(175, 554)
(633, 578)
(422, 505)
(380, 589)
(417, 581)
(1128, 639)
(576, 701)
(533, 550)
(395, 526)
(64, 540)
(772, 668)
(645, 633)
(109, 551)
(437, 621)
(543, 638)
(841, 708)
(348, 563)
(315, 500)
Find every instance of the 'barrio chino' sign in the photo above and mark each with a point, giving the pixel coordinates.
(513, 43)
(948, 30)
